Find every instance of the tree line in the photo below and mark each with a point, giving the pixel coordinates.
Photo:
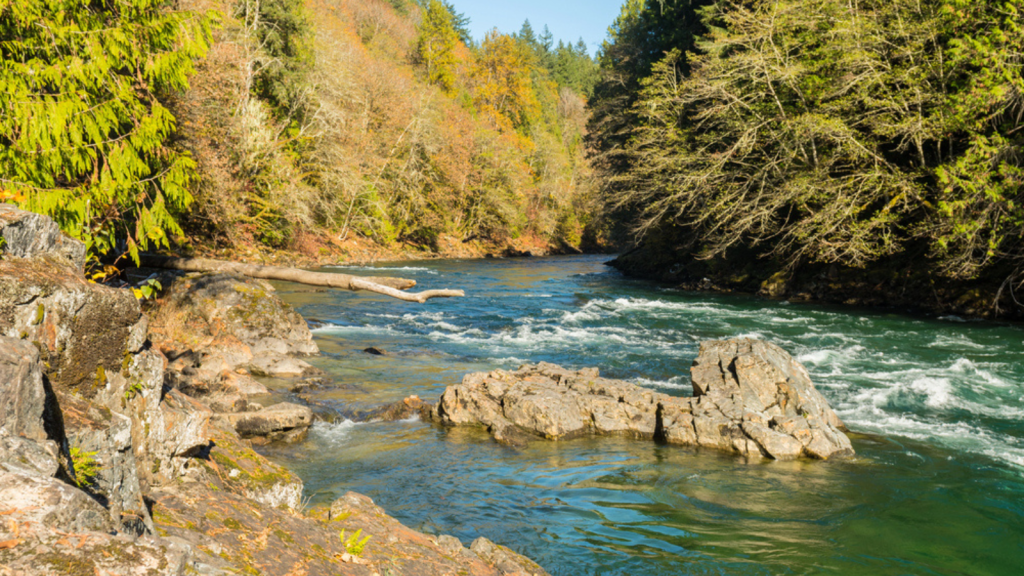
(818, 131)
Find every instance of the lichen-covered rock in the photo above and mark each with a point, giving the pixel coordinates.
(99, 554)
(82, 330)
(750, 397)
(31, 235)
(47, 501)
(107, 437)
(233, 321)
(18, 454)
(504, 560)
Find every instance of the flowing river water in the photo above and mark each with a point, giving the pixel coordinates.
(935, 405)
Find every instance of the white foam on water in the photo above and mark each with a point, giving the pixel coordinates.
(336, 330)
(334, 433)
(939, 391)
(955, 342)
(447, 326)
(509, 361)
(830, 356)
(674, 383)
(435, 316)
(970, 368)
(585, 314)
(956, 435)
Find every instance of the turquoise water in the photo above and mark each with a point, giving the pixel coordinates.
(936, 406)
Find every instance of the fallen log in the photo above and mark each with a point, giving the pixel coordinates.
(381, 285)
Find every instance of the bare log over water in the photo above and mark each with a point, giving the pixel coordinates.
(381, 285)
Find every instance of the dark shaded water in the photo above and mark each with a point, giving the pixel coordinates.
(937, 406)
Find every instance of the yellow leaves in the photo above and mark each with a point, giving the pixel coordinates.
(502, 82)
(11, 196)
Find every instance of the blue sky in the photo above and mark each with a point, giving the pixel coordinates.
(568, 20)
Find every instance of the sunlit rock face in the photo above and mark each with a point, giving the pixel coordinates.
(749, 397)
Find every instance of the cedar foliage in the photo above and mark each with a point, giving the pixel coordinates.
(821, 131)
(84, 136)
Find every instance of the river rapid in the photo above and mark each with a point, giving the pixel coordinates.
(935, 406)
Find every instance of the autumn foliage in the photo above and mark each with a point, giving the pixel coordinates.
(381, 122)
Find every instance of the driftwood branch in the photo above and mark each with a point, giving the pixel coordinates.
(381, 285)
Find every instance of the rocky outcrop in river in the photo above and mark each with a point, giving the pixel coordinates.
(109, 465)
(749, 397)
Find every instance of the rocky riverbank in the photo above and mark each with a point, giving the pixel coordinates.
(121, 433)
(900, 284)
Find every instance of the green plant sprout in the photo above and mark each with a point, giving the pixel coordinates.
(354, 545)
(86, 466)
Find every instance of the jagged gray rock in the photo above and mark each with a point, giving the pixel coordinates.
(28, 235)
(51, 503)
(18, 454)
(21, 388)
(750, 397)
(82, 330)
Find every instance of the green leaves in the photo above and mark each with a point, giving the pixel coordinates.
(436, 45)
(834, 132)
(85, 139)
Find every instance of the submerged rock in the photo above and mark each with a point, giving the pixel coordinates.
(750, 397)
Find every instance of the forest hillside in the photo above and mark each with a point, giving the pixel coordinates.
(865, 152)
(260, 125)
(318, 122)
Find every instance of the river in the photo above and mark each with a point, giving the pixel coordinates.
(935, 405)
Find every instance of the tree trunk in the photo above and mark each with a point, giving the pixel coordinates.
(382, 285)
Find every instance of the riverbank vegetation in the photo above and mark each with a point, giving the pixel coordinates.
(867, 135)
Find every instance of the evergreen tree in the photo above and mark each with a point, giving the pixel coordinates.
(460, 22)
(527, 36)
(283, 33)
(546, 44)
(83, 135)
(641, 35)
(436, 45)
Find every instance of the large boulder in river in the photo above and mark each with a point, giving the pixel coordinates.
(750, 397)
(759, 387)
